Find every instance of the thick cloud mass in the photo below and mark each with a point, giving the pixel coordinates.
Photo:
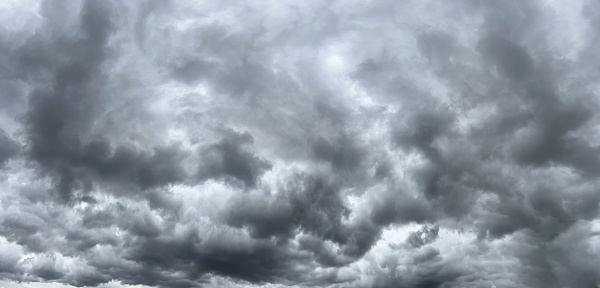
(300, 143)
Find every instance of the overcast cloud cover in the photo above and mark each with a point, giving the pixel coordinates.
(309, 143)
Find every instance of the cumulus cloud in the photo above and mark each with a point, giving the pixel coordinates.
(284, 144)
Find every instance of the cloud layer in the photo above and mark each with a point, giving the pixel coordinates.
(317, 143)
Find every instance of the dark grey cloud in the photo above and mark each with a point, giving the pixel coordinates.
(311, 205)
(68, 102)
(341, 153)
(341, 144)
(9, 148)
(232, 157)
(424, 236)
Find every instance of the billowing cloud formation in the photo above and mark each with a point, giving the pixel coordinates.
(279, 143)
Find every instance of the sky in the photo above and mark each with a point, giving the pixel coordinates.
(275, 143)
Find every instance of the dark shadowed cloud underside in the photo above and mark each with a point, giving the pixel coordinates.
(300, 143)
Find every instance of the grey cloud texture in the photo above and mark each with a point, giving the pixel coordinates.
(313, 144)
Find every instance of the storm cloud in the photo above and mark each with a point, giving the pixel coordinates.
(299, 144)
